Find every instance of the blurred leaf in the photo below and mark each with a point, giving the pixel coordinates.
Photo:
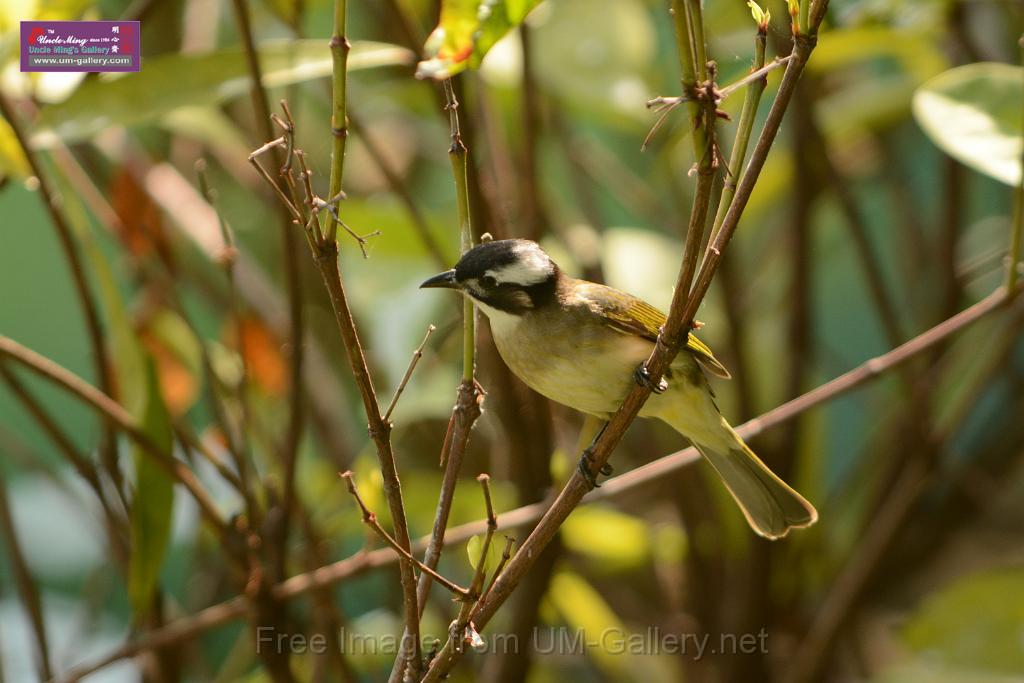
(615, 540)
(12, 159)
(153, 502)
(606, 637)
(917, 52)
(973, 113)
(261, 350)
(141, 224)
(476, 544)
(976, 622)
(602, 70)
(210, 126)
(176, 80)
(466, 31)
(928, 671)
(622, 248)
(178, 359)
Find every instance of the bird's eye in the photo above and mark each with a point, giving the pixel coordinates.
(488, 282)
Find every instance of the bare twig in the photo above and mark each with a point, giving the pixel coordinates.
(370, 518)
(416, 355)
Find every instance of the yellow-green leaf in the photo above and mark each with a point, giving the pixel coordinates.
(475, 546)
(466, 31)
(153, 502)
(975, 622)
(615, 540)
(973, 113)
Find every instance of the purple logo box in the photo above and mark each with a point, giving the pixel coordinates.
(80, 46)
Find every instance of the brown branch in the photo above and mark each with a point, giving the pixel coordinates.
(93, 326)
(191, 626)
(324, 249)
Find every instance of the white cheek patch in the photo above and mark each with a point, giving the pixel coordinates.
(530, 267)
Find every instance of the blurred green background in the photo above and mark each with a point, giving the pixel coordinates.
(861, 234)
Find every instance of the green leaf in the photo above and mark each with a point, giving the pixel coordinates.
(153, 502)
(466, 31)
(169, 82)
(976, 622)
(476, 544)
(973, 113)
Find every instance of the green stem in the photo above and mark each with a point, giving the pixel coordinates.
(695, 17)
(688, 66)
(744, 128)
(340, 47)
(457, 154)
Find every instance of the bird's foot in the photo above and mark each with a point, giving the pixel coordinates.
(643, 378)
(585, 464)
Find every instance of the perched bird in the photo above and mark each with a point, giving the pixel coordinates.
(581, 344)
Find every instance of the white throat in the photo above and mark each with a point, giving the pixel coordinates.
(502, 324)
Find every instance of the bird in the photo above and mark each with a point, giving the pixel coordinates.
(583, 344)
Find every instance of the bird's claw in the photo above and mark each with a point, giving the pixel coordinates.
(643, 378)
(586, 462)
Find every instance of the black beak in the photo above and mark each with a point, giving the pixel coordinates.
(445, 279)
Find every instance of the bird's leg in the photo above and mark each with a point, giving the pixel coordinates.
(587, 461)
(643, 378)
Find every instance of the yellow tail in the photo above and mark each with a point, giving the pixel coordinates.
(770, 505)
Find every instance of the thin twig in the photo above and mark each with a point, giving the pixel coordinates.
(416, 355)
(370, 518)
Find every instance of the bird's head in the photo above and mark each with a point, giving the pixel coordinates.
(512, 276)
